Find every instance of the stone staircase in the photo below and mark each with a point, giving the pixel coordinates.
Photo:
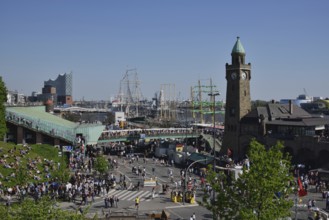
(210, 139)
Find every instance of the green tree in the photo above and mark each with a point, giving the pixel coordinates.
(3, 99)
(43, 209)
(260, 192)
(101, 165)
(62, 173)
(258, 103)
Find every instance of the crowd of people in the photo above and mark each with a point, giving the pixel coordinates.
(108, 134)
(81, 188)
(312, 178)
(36, 168)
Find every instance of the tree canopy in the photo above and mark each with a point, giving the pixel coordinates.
(3, 99)
(101, 164)
(40, 210)
(260, 192)
(62, 173)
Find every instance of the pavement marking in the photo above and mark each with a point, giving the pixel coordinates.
(137, 194)
(181, 206)
(129, 194)
(123, 195)
(143, 195)
(120, 193)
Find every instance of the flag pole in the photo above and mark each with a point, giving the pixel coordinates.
(296, 200)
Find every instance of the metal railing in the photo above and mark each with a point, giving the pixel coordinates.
(36, 124)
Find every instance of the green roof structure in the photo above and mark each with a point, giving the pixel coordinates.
(35, 117)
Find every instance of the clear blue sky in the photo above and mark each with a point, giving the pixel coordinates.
(169, 42)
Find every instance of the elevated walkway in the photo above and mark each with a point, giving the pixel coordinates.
(159, 136)
(147, 134)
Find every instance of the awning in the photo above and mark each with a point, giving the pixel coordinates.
(201, 158)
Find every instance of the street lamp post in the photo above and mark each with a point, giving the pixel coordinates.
(213, 95)
(185, 185)
(185, 142)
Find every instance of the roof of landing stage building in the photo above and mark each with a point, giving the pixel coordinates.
(44, 120)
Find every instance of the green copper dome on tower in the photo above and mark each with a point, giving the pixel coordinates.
(238, 48)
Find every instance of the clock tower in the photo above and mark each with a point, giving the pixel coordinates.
(238, 102)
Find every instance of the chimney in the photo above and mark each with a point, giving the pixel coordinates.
(290, 107)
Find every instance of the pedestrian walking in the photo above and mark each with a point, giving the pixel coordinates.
(194, 218)
(111, 201)
(309, 204)
(153, 192)
(70, 195)
(116, 200)
(137, 202)
(89, 199)
(106, 202)
(313, 202)
(92, 196)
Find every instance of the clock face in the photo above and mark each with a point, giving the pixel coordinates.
(234, 76)
(244, 75)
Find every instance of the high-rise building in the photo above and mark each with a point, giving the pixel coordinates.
(63, 86)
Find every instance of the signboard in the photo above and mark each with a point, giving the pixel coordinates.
(150, 183)
(179, 147)
(67, 148)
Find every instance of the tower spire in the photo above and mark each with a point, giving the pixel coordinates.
(238, 48)
(238, 53)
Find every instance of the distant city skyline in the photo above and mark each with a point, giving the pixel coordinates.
(168, 42)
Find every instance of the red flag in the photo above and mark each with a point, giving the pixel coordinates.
(301, 190)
